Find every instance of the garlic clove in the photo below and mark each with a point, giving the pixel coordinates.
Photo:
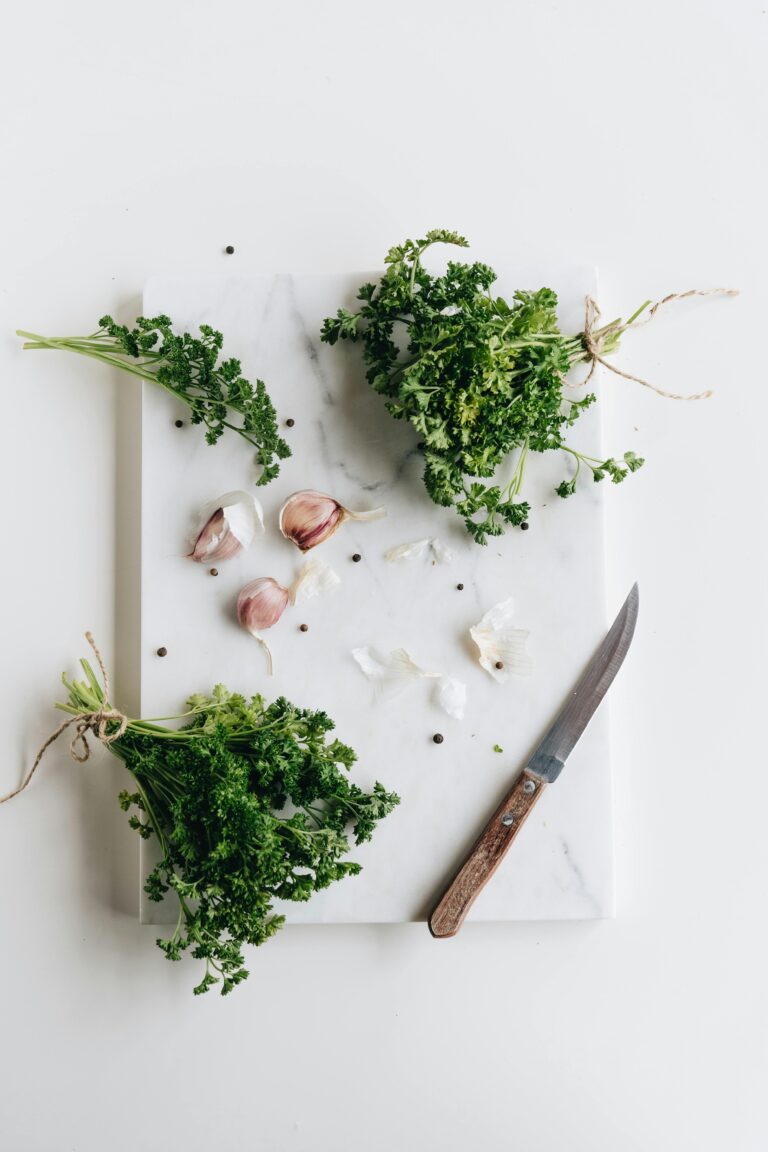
(261, 604)
(501, 644)
(211, 540)
(226, 526)
(307, 518)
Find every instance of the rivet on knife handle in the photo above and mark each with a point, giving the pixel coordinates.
(486, 856)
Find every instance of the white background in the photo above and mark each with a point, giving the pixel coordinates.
(311, 136)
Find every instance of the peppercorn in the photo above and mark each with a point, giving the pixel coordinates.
(499, 663)
(162, 651)
(290, 422)
(214, 571)
(179, 423)
(229, 250)
(460, 587)
(524, 526)
(438, 738)
(357, 557)
(304, 627)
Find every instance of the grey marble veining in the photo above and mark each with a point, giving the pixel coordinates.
(346, 444)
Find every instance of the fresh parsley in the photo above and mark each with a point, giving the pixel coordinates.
(476, 376)
(188, 367)
(250, 803)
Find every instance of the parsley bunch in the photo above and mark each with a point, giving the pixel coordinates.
(248, 804)
(476, 376)
(188, 367)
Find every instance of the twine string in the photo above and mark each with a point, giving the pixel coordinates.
(97, 723)
(594, 340)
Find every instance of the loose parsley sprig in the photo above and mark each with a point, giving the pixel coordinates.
(249, 803)
(479, 378)
(188, 367)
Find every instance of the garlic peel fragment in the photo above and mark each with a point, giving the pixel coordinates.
(315, 578)
(307, 518)
(225, 526)
(451, 695)
(441, 554)
(391, 672)
(501, 643)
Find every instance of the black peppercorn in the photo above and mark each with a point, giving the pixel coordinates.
(229, 249)
(179, 423)
(357, 557)
(290, 422)
(438, 738)
(499, 663)
(162, 651)
(524, 526)
(214, 571)
(304, 627)
(460, 587)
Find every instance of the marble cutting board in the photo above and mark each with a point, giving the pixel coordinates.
(344, 443)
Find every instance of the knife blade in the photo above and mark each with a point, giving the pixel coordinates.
(543, 768)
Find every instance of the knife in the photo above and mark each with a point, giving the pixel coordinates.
(543, 768)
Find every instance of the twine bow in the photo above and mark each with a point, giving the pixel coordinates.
(594, 340)
(97, 723)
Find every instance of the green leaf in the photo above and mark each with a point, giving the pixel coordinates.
(188, 367)
(478, 377)
(250, 803)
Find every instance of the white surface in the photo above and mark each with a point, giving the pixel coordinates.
(316, 135)
(345, 443)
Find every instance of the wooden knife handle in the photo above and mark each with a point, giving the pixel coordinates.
(486, 856)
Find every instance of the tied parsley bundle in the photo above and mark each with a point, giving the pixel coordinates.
(478, 377)
(188, 367)
(248, 803)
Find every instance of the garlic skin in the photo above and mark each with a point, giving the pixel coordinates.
(441, 553)
(391, 672)
(500, 642)
(314, 579)
(226, 526)
(307, 518)
(451, 696)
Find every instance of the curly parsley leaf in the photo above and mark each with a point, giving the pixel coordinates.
(250, 803)
(477, 377)
(190, 368)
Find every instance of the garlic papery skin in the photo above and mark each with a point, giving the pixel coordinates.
(226, 526)
(260, 605)
(451, 695)
(391, 672)
(315, 578)
(441, 553)
(307, 518)
(501, 643)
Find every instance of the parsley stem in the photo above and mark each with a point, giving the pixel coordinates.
(188, 368)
